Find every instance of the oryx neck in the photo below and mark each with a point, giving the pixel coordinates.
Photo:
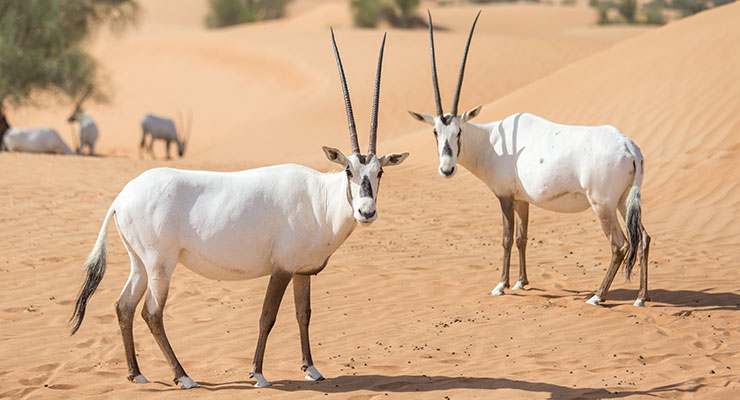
(474, 140)
(338, 207)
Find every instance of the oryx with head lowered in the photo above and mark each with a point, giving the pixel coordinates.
(525, 159)
(164, 129)
(87, 132)
(284, 221)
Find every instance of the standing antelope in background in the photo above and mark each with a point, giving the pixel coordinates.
(284, 221)
(87, 132)
(526, 159)
(159, 128)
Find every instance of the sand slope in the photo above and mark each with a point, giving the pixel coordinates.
(402, 309)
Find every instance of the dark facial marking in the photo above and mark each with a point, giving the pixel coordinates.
(447, 150)
(366, 190)
(459, 146)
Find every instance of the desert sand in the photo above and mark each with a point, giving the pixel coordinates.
(402, 310)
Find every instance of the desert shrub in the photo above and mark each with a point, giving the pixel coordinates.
(366, 13)
(42, 46)
(654, 13)
(689, 7)
(231, 12)
(628, 10)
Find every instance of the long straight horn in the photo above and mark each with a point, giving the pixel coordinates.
(376, 100)
(456, 99)
(435, 82)
(347, 101)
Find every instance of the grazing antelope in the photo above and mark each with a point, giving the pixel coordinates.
(526, 159)
(87, 132)
(41, 140)
(159, 128)
(284, 221)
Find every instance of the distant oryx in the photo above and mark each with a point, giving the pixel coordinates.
(41, 140)
(87, 132)
(284, 221)
(159, 128)
(526, 159)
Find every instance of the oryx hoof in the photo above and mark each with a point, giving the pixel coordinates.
(138, 379)
(639, 303)
(187, 382)
(314, 374)
(594, 301)
(518, 286)
(261, 381)
(498, 290)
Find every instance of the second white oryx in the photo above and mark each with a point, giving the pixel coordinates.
(39, 140)
(87, 132)
(159, 128)
(525, 159)
(284, 221)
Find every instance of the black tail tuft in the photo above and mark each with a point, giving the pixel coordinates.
(95, 269)
(634, 229)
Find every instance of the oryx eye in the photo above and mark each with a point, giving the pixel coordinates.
(435, 133)
(380, 173)
(349, 173)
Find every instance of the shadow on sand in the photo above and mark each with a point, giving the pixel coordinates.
(423, 383)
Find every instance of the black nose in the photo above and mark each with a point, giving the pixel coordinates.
(368, 215)
(448, 172)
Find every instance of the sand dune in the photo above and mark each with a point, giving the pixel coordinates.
(402, 309)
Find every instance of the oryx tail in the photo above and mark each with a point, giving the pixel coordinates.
(633, 218)
(94, 271)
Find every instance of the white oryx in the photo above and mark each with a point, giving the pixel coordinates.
(159, 128)
(87, 132)
(40, 140)
(284, 221)
(526, 159)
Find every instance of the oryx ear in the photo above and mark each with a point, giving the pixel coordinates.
(470, 114)
(422, 117)
(335, 155)
(393, 159)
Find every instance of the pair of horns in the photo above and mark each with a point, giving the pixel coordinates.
(348, 103)
(435, 82)
(184, 135)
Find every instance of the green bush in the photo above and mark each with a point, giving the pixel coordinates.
(689, 7)
(628, 10)
(653, 13)
(231, 12)
(366, 12)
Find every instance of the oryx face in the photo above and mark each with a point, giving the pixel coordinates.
(448, 128)
(363, 173)
(448, 134)
(76, 115)
(181, 147)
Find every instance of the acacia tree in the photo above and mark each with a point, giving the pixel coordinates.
(41, 47)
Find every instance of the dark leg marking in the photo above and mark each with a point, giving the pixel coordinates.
(522, 212)
(279, 280)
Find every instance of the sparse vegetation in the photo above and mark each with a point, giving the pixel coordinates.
(398, 13)
(231, 12)
(653, 12)
(41, 46)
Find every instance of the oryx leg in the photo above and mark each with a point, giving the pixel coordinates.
(507, 212)
(153, 311)
(279, 280)
(125, 308)
(302, 296)
(609, 223)
(143, 142)
(644, 250)
(642, 295)
(522, 223)
(167, 146)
